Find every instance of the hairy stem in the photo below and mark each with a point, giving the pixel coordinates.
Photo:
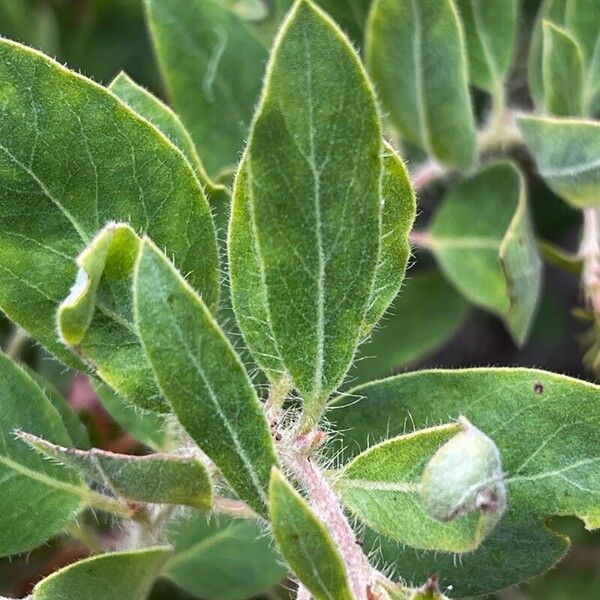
(16, 343)
(233, 508)
(420, 239)
(327, 507)
(426, 174)
(589, 253)
(302, 593)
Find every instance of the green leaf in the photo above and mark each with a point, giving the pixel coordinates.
(96, 318)
(127, 575)
(27, 479)
(562, 70)
(483, 240)
(77, 157)
(155, 478)
(202, 377)
(152, 429)
(547, 429)
(427, 312)
(305, 543)
(580, 20)
(415, 53)
(222, 559)
(490, 28)
(77, 431)
(397, 217)
(310, 179)
(558, 257)
(392, 488)
(248, 281)
(566, 153)
(162, 117)
(212, 63)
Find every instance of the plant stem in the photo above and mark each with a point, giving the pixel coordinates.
(501, 132)
(233, 508)
(302, 593)
(420, 239)
(589, 253)
(106, 504)
(86, 536)
(277, 395)
(426, 174)
(327, 507)
(16, 343)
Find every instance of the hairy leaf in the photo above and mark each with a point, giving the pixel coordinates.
(96, 318)
(162, 117)
(390, 487)
(562, 71)
(212, 63)
(105, 577)
(425, 314)
(546, 427)
(415, 53)
(397, 218)
(566, 153)
(76, 157)
(483, 239)
(310, 183)
(27, 479)
(579, 19)
(77, 431)
(306, 544)
(150, 428)
(202, 377)
(248, 279)
(222, 559)
(490, 31)
(156, 478)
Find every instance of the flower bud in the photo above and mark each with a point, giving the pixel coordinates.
(463, 476)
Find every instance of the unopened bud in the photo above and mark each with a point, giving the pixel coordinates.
(463, 476)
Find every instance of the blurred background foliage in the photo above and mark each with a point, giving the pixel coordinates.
(430, 325)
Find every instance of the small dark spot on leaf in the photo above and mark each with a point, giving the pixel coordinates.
(538, 388)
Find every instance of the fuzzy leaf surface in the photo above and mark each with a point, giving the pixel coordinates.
(490, 28)
(212, 63)
(397, 217)
(155, 478)
(483, 239)
(562, 70)
(163, 118)
(76, 430)
(202, 377)
(96, 318)
(383, 487)
(312, 173)
(222, 559)
(106, 577)
(305, 543)
(581, 21)
(416, 54)
(27, 479)
(150, 428)
(76, 157)
(566, 153)
(546, 428)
